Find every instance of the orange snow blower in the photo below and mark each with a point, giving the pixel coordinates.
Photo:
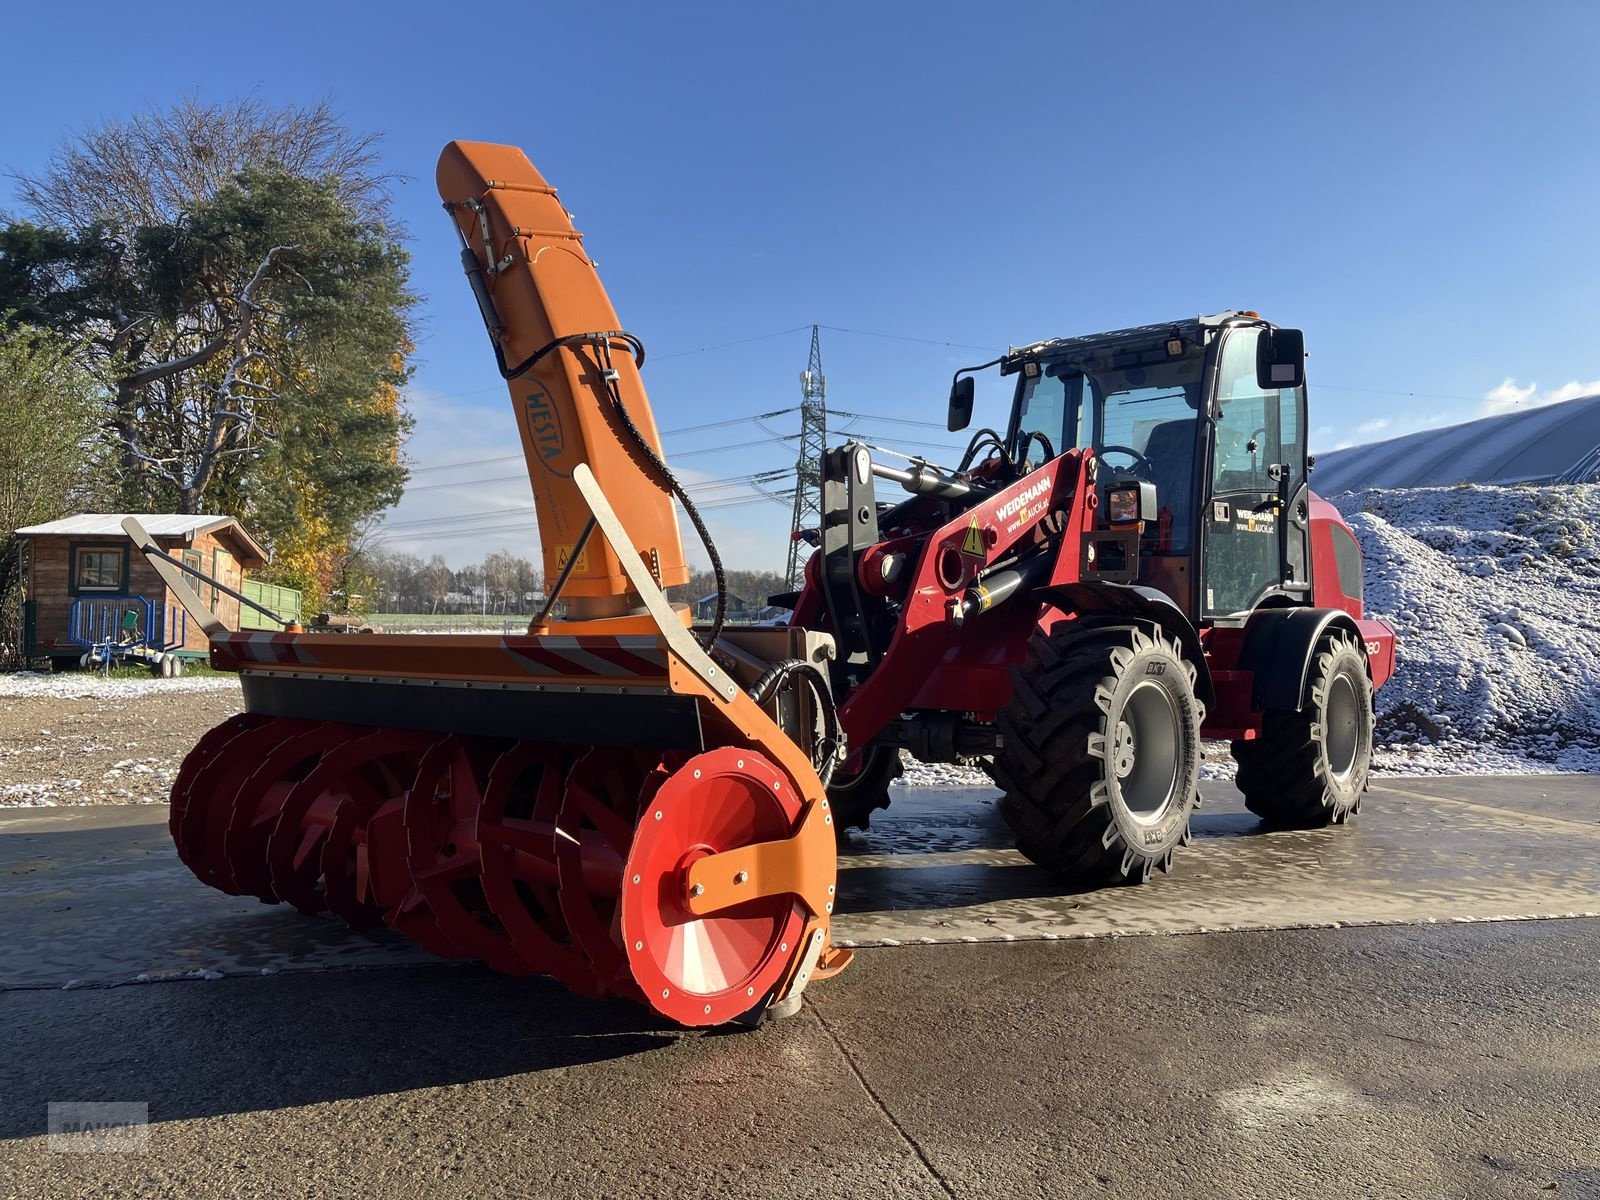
(599, 800)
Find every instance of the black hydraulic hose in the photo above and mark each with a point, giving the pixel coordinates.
(1036, 435)
(981, 438)
(777, 676)
(603, 342)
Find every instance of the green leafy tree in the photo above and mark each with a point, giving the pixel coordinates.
(51, 457)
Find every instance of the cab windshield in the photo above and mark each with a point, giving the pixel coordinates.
(1142, 417)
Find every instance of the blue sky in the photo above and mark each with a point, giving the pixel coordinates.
(1413, 184)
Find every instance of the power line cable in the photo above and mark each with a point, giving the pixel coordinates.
(900, 337)
(760, 337)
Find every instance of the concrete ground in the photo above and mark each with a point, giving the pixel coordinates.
(1382, 1010)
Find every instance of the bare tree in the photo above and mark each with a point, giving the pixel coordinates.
(148, 169)
(436, 581)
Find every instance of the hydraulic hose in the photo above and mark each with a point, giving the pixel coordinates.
(825, 756)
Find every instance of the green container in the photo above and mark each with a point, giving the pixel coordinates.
(285, 601)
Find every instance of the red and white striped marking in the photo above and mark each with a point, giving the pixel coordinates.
(610, 657)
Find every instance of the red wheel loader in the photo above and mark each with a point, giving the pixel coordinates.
(640, 807)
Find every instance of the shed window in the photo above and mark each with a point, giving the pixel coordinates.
(99, 570)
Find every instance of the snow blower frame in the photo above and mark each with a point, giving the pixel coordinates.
(639, 807)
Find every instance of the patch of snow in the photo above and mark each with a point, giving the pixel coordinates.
(85, 685)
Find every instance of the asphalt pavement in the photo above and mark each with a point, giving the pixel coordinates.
(1403, 1008)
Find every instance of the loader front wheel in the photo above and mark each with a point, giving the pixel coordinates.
(1101, 753)
(1309, 768)
(854, 798)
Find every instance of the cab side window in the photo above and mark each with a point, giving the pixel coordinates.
(1256, 430)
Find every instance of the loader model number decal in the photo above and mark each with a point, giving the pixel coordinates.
(544, 430)
(1025, 505)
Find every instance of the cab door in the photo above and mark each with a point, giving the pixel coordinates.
(1254, 523)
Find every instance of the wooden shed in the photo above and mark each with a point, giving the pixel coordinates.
(84, 579)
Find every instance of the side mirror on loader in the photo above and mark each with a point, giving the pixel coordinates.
(961, 392)
(1280, 359)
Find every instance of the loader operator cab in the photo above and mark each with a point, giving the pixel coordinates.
(1212, 412)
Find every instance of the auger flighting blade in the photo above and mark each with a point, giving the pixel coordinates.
(599, 813)
(442, 851)
(218, 788)
(516, 832)
(260, 804)
(204, 750)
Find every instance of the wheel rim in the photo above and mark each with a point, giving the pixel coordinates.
(1144, 752)
(1341, 726)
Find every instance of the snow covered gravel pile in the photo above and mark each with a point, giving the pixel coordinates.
(1495, 594)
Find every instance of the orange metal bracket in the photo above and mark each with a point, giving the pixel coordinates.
(803, 864)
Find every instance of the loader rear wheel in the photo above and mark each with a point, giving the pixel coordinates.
(1309, 768)
(856, 797)
(1102, 753)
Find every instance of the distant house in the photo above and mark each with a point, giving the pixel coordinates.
(705, 608)
(86, 583)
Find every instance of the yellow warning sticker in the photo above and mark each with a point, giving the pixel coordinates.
(564, 551)
(973, 542)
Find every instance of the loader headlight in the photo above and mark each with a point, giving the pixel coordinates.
(1130, 501)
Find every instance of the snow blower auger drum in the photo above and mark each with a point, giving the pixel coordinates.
(614, 800)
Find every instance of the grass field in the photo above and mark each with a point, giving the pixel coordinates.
(446, 622)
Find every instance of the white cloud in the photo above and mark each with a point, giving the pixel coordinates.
(464, 513)
(1509, 396)
(1373, 426)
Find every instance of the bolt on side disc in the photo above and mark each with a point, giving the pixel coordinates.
(703, 970)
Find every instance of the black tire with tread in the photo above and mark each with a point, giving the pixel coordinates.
(854, 799)
(1285, 774)
(1063, 797)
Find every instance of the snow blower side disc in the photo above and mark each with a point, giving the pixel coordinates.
(703, 970)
